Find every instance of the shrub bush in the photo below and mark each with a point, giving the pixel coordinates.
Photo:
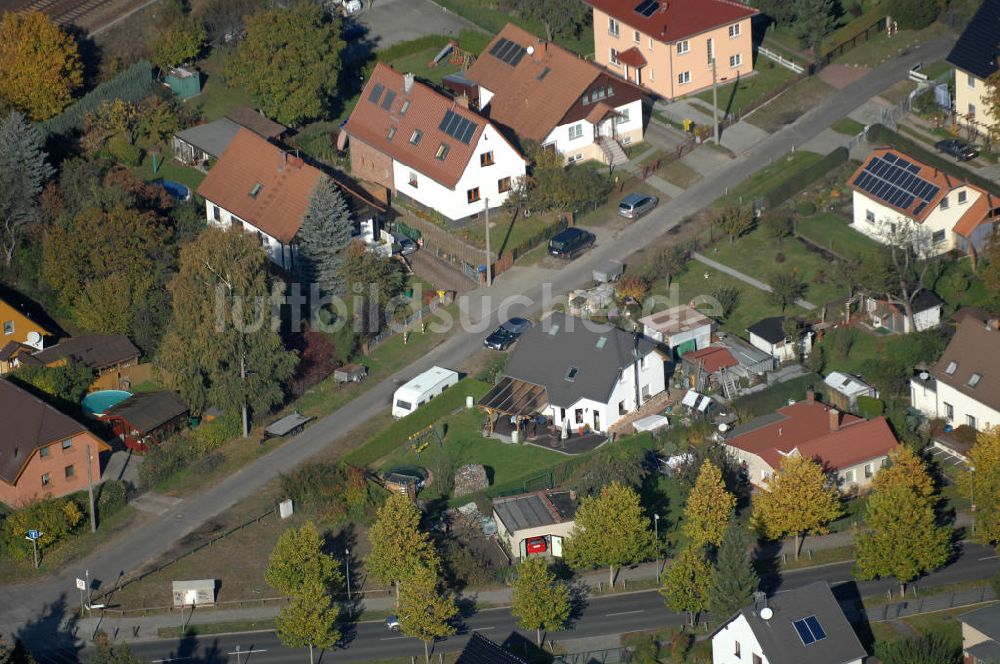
(806, 208)
(163, 461)
(802, 178)
(869, 407)
(914, 14)
(214, 434)
(112, 496)
(56, 518)
(121, 150)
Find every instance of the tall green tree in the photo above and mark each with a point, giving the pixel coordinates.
(561, 18)
(539, 600)
(289, 61)
(709, 507)
(309, 619)
(325, 236)
(914, 14)
(40, 66)
(298, 559)
(220, 347)
(815, 19)
(24, 168)
(425, 611)
(734, 580)
(611, 464)
(786, 288)
(931, 649)
(179, 43)
(799, 499)
(903, 267)
(982, 485)
(687, 582)
(400, 550)
(610, 529)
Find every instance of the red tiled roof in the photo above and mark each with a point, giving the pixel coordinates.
(975, 215)
(714, 358)
(286, 185)
(945, 182)
(372, 123)
(806, 427)
(633, 57)
(672, 20)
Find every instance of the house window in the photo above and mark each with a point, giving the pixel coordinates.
(216, 214)
(944, 203)
(974, 379)
(636, 37)
(575, 131)
(849, 476)
(963, 196)
(711, 50)
(951, 368)
(442, 152)
(571, 373)
(621, 407)
(683, 78)
(869, 471)
(579, 415)
(683, 47)
(486, 159)
(8, 327)
(614, 57)
(503, 185)
(44, 453)
(472, 195)
(972, 110)
(417, 135)
(46, 480)
(757, 659)
(70, 471)
(971, 81)
(869, 216)
(622, 116)
(413, 180)
(735, 61)
(650, 43)
(67, 444)
(937, 237)
(949, 411)
(734, 30)
(613, 28)
(971, 421)
(736, 650)
(392, 132)
(405, 107)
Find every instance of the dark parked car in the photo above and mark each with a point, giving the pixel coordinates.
(635, 205)
(957, 149)
(570, 242)
(406, 245)
(505, 335)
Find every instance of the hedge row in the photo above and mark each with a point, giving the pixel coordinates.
(396, 434)
(543, 235)
(882, 135)
(804, 177)
(132, 84)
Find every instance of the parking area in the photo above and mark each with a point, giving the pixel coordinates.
(392, 21)
(946, 457)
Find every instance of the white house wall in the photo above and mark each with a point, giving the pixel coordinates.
(939, 219)
(454, 203)
(724, 644)
(932, 404)
(282, 255)
(559, 137)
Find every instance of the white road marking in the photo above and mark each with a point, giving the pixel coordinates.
(624, 613)
(989, 558)
(392, 638)
(175, 659)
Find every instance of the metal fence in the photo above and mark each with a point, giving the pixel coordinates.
(446, 246)
(930, 604)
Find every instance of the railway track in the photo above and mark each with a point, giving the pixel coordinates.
(72, 12)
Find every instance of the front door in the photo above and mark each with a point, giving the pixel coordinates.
(606, 128)
(597, 421)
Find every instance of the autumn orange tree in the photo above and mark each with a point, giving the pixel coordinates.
(40, 65)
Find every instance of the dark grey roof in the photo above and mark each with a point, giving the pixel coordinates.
(96, 351)
(531, 510)
(780, 641)
(546, 352)
(212, 137)
(764, 420)
(480, 650)
(985, 620)
(976, 51)
(747, 355)
(769, 329)
(926, 300)
(148, 411)
(256, 122)
(987, 651)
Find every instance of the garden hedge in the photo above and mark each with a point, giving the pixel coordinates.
(133, 84)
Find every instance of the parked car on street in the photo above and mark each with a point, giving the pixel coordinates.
(957, 149)
(504, 336)
(635, 205)
(392, 623)
(406, 245)
(570, 242)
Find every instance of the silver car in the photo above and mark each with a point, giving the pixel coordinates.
(635, 205)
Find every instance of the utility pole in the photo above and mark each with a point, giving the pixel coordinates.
(656, 530)
(489, 259)
(90, 490)
(715, 102)
(243, 379)
(347, 562)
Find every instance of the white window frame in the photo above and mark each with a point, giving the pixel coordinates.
(636, 37)
(576, 131)
(735, 60)
(849, 476)
(734, 31)
(971, 82)
(970, 420)
(939, 236)
(613, 58)
(869, 471)
(614, 29)
(683, 47)
(710, 49)
(869, 216)
(622, 118)
(945, 204)
(949, 412)
(963, 197)
(684, 78)
(8, 327)
(413, 181)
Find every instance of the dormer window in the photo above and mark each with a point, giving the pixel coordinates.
(442, 152)
(951, 368)
(405, 107)
(944, 203)
(974, 379)
(963, 196)
(571, 373)
(392, 132)
(255, 190)
(417, 135)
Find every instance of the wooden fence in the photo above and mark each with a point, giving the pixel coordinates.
(125, 378)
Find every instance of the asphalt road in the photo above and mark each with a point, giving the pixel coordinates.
(600, 616)
(35, 610)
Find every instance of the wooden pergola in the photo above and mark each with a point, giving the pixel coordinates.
(513, 398)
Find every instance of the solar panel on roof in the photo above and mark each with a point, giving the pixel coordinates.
(913, 168)
(919, 208)
(459, 128)
(376, 93)
(387, 102)
(896, 181)
(804, 633)
(647, 7)
(507, 51)
(815, 627)
(809, 630)
(891, 158)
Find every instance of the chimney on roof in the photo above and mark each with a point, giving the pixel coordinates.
(779, 431)
(462, 100)
(834, 419)
(408, 82)
(810, 396)
(282, 162)
(663, 6)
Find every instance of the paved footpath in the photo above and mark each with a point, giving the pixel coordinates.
(37, 609)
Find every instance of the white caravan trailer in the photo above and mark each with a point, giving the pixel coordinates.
(421, 389)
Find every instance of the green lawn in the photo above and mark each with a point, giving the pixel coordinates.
(170, 169)
(766, 178)
(847, 127)
(936, 69)
(492, 20)
(834, 233)
(506, 230)
(734, 98)
(217, 98)
(419, 65)
(898, 91)
(880, 48)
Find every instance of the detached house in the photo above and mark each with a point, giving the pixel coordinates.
(428, 147)
(22, 330)
(892, 189)
(963, 387)
(581, 374)
(541, 92)
(674, 47)
(851, 449)
(42, 451)
(975, 58)
(981, 635)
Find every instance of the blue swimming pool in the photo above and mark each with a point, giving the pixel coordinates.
(176, 189)
(98, 403)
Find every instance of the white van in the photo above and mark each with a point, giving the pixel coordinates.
(421, 389)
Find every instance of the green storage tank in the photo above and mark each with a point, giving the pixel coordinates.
(184, 83)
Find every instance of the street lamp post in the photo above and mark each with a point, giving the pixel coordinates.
(972, 496)
(347, 563)
(656, 534)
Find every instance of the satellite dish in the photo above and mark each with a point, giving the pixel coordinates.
(791, 402)
(924, 375)
(530, 50)
(766, 613)
(723, 428)
(34, 339)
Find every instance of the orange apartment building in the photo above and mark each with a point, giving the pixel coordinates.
(667, 46)
(42, 451)
(20, 330)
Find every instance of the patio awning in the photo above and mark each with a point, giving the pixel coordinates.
(515, 397)
(650, 423)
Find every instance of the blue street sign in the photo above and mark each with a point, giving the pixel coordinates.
(33, 534)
